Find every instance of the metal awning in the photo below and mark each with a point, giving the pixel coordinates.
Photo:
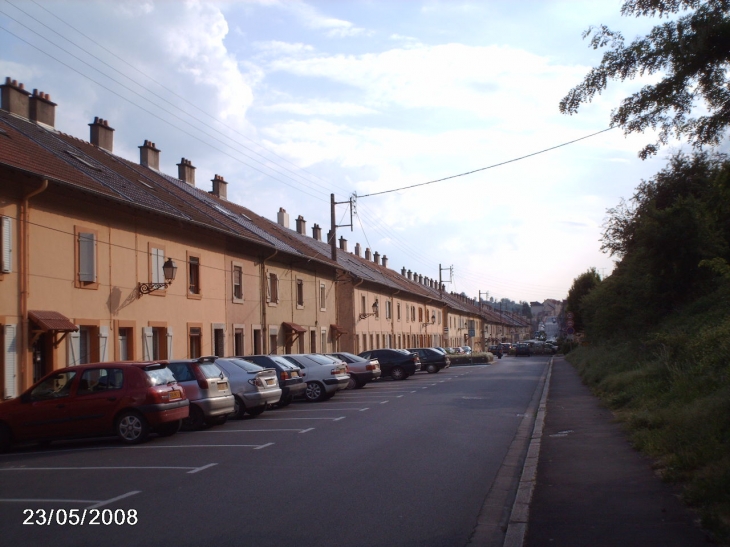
(51, 321)
(293, 327)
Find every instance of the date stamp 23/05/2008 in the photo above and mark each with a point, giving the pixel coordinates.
(80, 517)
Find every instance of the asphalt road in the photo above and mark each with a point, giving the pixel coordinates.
(408, 463)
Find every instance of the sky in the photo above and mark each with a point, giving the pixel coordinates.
(291, 101)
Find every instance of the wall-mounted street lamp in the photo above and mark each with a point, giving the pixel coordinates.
(169, 269)
(433, 321)
(375, 311)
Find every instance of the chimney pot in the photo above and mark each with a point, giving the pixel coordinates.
(358, 249)
(385, 261)
(403, 271)
(220, 187)
(317, 232)
(343, 243)
(15, 99)
(301, 225)
(41, 109)
(282, 217)
(376, 257)
(149, 155)
(101, 134)
(186, 172)
(410, 275)
(368, 255)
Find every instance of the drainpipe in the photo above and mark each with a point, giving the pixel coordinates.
(24, 279)
(264, 326)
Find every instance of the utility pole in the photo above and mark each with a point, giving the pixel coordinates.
(450, 269)
(333, 222)
(486, 293)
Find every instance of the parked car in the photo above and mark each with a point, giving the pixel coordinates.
(399, 364)
(442, 350)
(126, 399)
(466, 349)
(207, 388)
(432, 360)
(523, 349)
(361, 370)
(290, 378)
(253, 387)
(496, 350)
(323, 377)
(506, 347)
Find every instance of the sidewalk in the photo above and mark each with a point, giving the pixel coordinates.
(593, 489)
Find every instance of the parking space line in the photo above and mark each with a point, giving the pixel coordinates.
(198, 469)
(316, 410)
(263, 446)
(91, 468)
(383, 402)
(201, 446)
(282, 419)
(307, 430)
(364, 409)
(286, 430)
(107, 502)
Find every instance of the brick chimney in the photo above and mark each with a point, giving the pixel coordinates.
(358, 249)
(385, 261)
(186, 172)
(101, 134)
(42, 110)
(301, 225)
(317, 232)
(410, 275)
(220, 187)
(149, 156)
(15, 98)
(368, 256)
(420, 279)
(343, 243)
(282, 217)
(403, 271)
(376, 257)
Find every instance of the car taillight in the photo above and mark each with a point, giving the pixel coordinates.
(156, 396)
(334, 371)
(285, 375)
(202, 381)
(258, 382)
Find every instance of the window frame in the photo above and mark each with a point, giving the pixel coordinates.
(236, 267)
(194, 271)
(156, 254)
(322, 297)
(299, 287)
(81, 250)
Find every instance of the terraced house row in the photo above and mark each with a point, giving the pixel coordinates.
(105, 259)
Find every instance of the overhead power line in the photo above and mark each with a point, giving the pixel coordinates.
(484, 168)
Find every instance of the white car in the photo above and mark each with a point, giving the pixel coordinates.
(323, 376)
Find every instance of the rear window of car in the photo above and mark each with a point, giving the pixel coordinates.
(321, 359)
(248, 366)
(210, 370)
(284, 363)
(160, 376)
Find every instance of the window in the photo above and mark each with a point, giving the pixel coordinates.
(125, 342)
(272, 295)
(6, 245)
(363, 304)
(193, 275)
(397, 311)
(439, 318)
(322, 297)
(86, 266)
(237, 273)
(420, 315)
(156, 343)
(413, 314)
(300, 293)
(323, 341)
(219, 341)
(313, 341)
(388, 309)
(100, 379)
(10, 360)
(195, 342)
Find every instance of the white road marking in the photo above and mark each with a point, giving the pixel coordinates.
(383, 402)
(107, 502)
(330, 419)
(250, 430)
(263, 446)
(338, 419)
(196, 470)
(307, 430)
(91, 468)
(317, 410)
(364, 409)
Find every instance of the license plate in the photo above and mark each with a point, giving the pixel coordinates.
(270, 381)
(175, 394)
(295, 374)
(222, 386)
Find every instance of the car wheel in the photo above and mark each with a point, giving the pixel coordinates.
(352, 383)
(195, 419)
(284, 401)
(131, 427)
(432, 369)
(239, 409)
(256, 410)
(169, 428)
(397, 373)
(314, 392)
(5, 438)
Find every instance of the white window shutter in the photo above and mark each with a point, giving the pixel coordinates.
(7, 245)
(73, 347)
(87, 257)
(147, 343)
(168, 335)
(103, 344)
(158, 260)
(11, 362)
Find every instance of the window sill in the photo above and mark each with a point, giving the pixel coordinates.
(197, 296)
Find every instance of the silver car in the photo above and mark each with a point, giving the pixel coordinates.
(253, 387)
(207, 388)
(361, 370)
(323, 376)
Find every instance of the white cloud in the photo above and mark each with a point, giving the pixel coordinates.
(316, 108)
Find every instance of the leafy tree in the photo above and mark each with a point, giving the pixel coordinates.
(582, 285)
(691, 52)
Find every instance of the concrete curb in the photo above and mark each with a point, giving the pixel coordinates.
(517, 526)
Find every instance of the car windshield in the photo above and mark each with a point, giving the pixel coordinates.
(248, 366)
(160, 376)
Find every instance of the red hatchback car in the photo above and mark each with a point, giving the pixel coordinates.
(126, 399)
